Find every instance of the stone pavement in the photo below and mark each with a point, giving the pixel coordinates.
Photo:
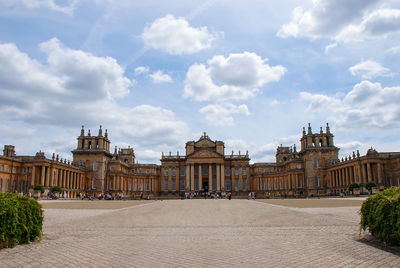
(200, 233)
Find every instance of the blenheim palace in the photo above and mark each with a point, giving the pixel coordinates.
(313, 170)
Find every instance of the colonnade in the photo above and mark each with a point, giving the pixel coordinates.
(125, 184)
(57, 176)
(289, 182)
(358, 173)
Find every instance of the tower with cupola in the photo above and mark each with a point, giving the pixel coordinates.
(318, 151)
(93, 152)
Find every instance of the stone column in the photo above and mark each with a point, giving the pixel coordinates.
(218, 170)
(379, 170)
(369, 174)
(191, 177)
(169, 179)
(363, 177)
(200, 178)
(33, 175)
(222, 177)
(240, 186)
(42, 175)
(187, 180)
(209, 177)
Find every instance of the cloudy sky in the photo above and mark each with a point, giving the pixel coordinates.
(158, 73)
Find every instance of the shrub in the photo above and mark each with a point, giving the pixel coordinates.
(353, 186)
(56, 189)
(369, 185)
(380, 214)
(21, 220)
(39, 187)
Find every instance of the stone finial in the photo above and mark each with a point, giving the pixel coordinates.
(169, 153)
(100, 132)
(177, 153)
(342, 159)
(345, 158)
(89, 133)
(358, 153)
(294, 147)
(247, 153)
(327, 129)
(232, 152)
(106, 134)
(162, 154)
(83, 131)
(57, 158)
(53, 157)
(205, 134)
(320, 130)
(115, 150)
(239, 152)
(304, 131)
(309, 129)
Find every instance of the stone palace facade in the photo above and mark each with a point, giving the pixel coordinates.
(313, 170)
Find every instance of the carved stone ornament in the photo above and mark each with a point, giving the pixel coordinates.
(205, 153)
(205, 143)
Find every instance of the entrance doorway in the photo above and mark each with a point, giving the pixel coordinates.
(205, 185)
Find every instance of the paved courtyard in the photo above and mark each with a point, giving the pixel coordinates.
(201, 233)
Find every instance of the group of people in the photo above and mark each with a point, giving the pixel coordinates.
(206, 195)
(252, 195)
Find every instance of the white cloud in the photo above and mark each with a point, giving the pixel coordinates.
(394, 50)
(176, 36)
(141, 70)
(160, 77)
(367, 106)
(376, 24)
(236, 77)
(342, 20)
(329, 47)
(369, 69)
(67, 7)
(76, 88)
(221, 114)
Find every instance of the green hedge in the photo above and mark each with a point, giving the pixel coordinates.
(380, 214)
(21, 220)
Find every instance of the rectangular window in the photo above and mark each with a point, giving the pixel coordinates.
(236, 184)
(111, 168)
(244, 171)
(262, 170)
(315, 162)
(316, 181)
(263, 186)
(140, 171)
(147, 187)
(166, 172)
(196, 169)
(204, 169)
(173, 172)
(173, 185)
(244, 184)
(135, 186)
(214, 184)
(271, 170)
(196, 184)
(275, 186)
(269, 186)
(130, 186)
(94, 165)
(165, 185)
(299, 183)
(182, 184)
(280, 185)
(141, 187)
(111, 185)
(227, 171)
(228, 184)
(23, 170)
(147, 171)
(182, 171)
(236, 171)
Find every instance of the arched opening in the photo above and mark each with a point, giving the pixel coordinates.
(89, 145)
(320, 143)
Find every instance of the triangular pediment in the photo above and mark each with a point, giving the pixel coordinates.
(204, 154)
(204, 143)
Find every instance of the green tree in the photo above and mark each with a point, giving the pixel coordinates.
(353, 186)
(369, 185)
(39, 187)
(56, 189)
